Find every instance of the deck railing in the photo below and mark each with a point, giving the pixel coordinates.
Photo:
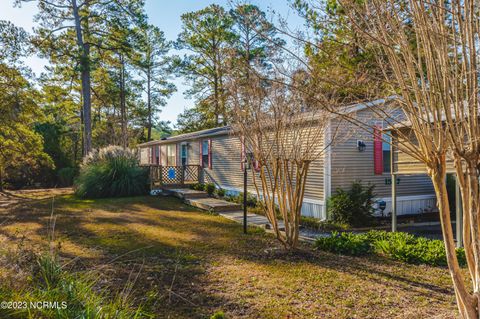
(161, 176)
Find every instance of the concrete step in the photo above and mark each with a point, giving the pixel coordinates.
(213, 204)
(186, 193)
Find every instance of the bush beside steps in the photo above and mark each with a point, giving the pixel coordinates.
(398, 246)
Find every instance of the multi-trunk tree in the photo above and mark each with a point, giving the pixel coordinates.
(283, 130)
(427, 52)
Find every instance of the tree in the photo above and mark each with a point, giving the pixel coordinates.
(257, 39)
(154, 67)
(284, 133)
(13, 43)
(207, 34)
(72, 29)
(196, 119)
(436, 77)
(335, 53)
(20, 145)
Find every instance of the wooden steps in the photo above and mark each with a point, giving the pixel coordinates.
(185, 193)
(213, 204)
(201, 200)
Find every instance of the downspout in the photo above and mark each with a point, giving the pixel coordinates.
(327, 167)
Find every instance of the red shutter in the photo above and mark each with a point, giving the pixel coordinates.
(200, 151)
(160, 153)
(242, 155)
(210, 153)
(256, 166)
(377, 150)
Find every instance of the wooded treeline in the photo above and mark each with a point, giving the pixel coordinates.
(110, 73)
(108, 76)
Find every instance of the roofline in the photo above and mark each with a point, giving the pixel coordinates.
(195, 135)
(189, 136)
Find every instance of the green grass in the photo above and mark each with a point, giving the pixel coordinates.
(190, 264)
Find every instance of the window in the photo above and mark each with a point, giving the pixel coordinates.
(157, 154)
(183, 154)
(171, 156)
(206, 154)
(386, 153)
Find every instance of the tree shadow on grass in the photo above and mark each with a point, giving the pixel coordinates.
(169, 241)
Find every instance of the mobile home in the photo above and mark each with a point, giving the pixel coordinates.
(357, 154)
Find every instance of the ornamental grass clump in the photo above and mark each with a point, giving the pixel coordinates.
(111, 172)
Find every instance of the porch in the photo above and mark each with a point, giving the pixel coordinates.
(174, 176)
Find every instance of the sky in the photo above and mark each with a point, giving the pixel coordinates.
(166, 15)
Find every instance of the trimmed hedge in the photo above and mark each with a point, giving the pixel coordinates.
(398, 246)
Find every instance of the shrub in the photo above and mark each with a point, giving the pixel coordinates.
(251, 199)
(218, 315)
(111, 172)
(220, 192)
(353, 207)
(310, 222)
(198, 187)
(345, 244)
(398, 246)
(210, 188)
(414, 250)
(65, 176)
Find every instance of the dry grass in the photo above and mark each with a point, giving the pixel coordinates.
(192, 263)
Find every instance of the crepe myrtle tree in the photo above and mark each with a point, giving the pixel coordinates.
(284, 134)
(429, 56)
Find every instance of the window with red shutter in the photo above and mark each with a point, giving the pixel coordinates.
(205, 152)
(210, 153)
(377, 150)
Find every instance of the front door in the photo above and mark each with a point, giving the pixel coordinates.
(184, 154)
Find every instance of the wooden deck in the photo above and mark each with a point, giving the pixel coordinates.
(174, 176)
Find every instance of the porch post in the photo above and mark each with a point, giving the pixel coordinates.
(150, 168)
(458, 214)
(394, 203)
(394, 186)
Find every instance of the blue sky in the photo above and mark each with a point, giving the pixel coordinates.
(166, 15)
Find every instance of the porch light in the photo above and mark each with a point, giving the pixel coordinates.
(361, 146)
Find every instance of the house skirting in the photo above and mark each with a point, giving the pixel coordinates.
(407, 205)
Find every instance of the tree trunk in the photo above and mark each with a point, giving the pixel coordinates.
(87, 106)
(123, 106)
(215, 96)
(467, 304)
(86, 81)
(149, 104)
(1, 179)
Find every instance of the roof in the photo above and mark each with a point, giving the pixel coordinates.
(193, 135)
(224, 130)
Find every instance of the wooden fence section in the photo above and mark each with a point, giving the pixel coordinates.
(161, 176)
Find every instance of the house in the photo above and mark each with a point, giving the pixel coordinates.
(355, 154)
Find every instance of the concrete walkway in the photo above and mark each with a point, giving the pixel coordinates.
(234, 212)
(262, 221)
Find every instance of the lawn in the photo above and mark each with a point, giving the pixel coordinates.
(189, 264)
